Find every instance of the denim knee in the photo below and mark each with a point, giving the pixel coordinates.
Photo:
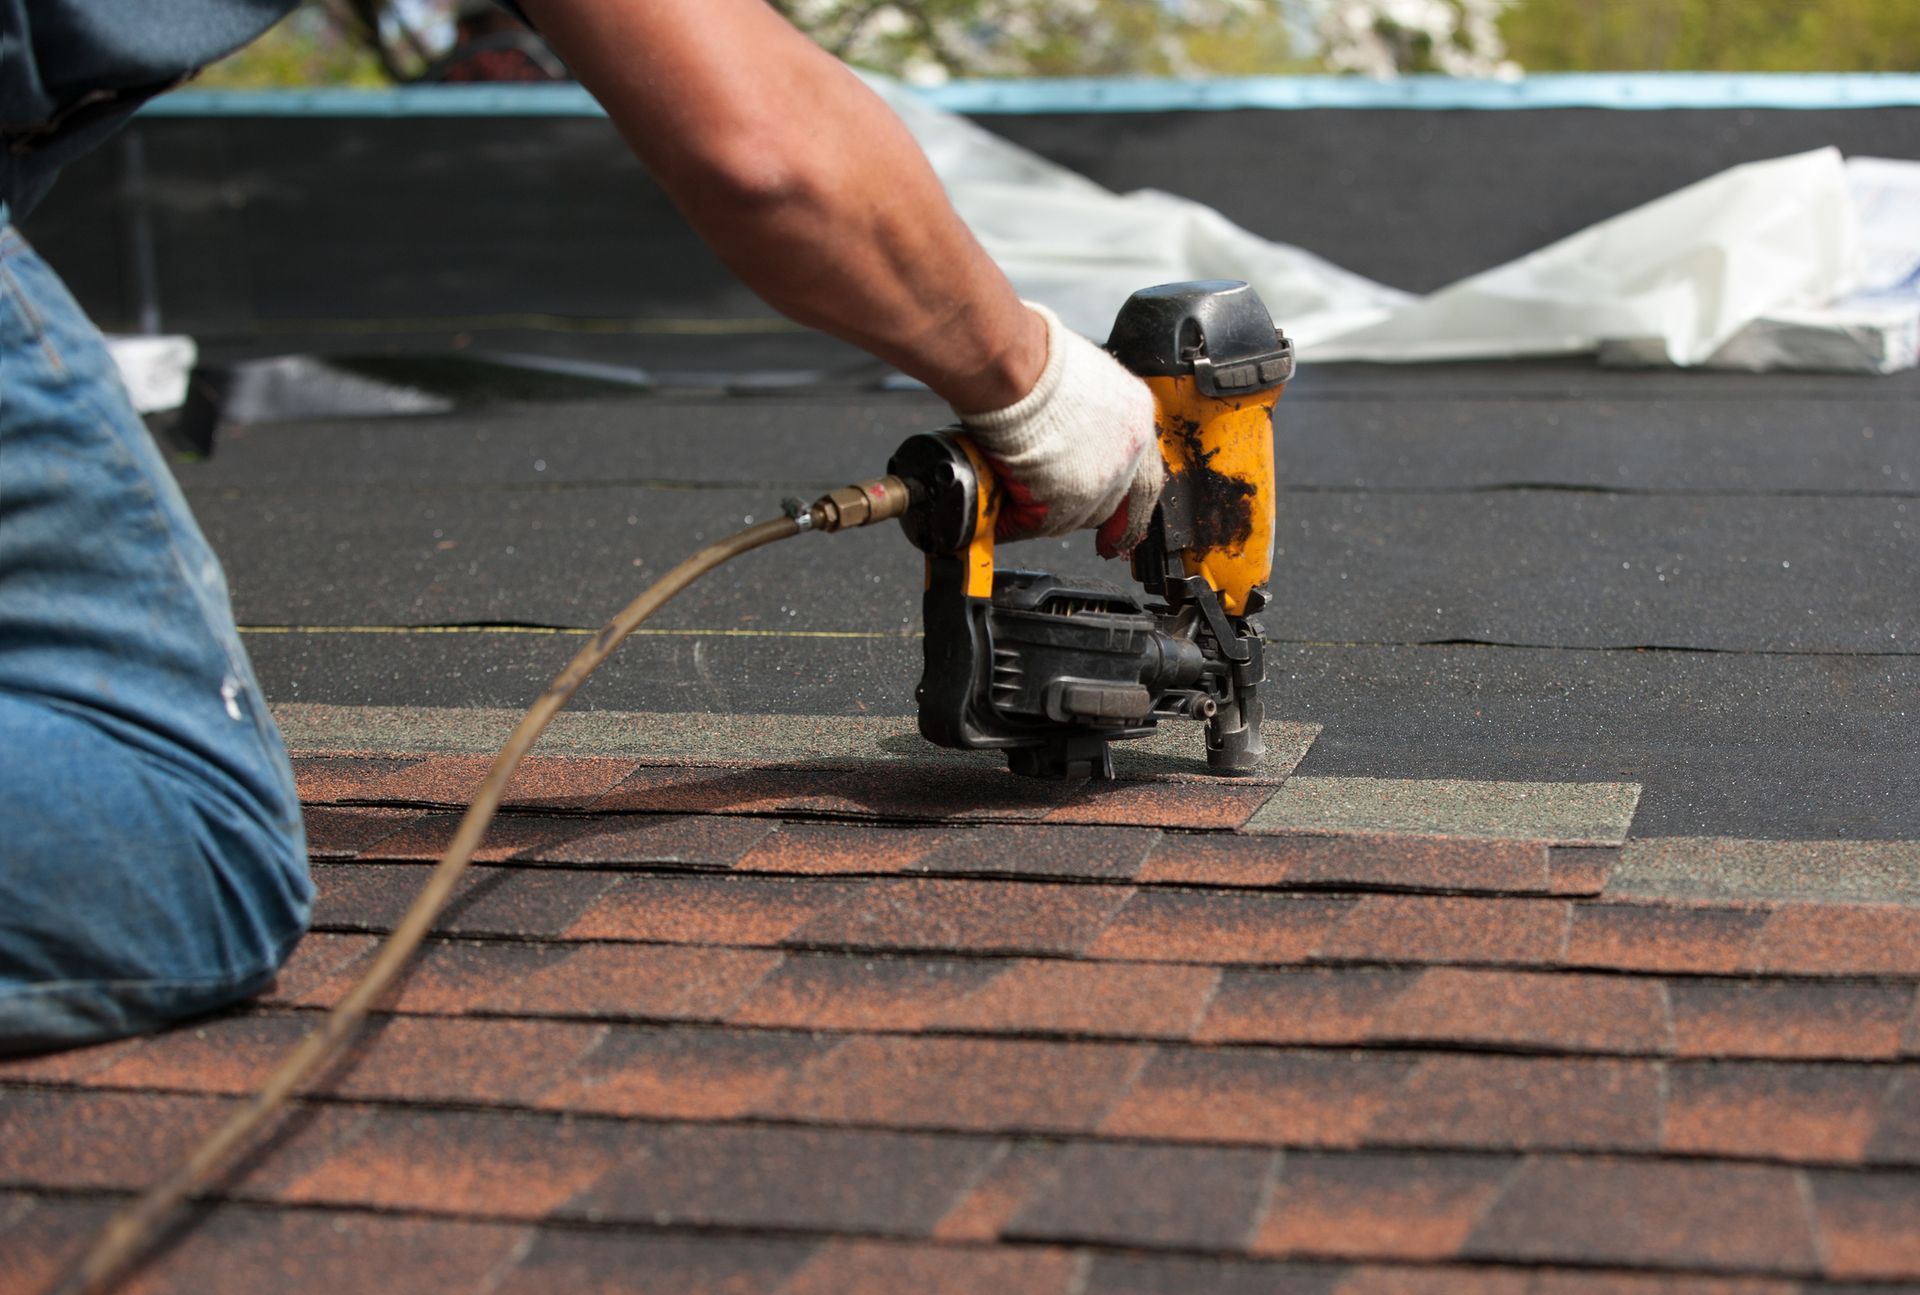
(133, 892)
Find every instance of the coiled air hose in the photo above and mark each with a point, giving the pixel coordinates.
(127, 1235)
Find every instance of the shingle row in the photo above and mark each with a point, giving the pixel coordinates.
(1050, 850)
(1535, 1011)
(1541, 1208)
(1832, 1113)
(240, 1249)
(1123, 922)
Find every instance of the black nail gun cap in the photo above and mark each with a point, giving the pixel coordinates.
(1217, 329)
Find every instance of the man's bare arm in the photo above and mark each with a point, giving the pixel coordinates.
(805, 183)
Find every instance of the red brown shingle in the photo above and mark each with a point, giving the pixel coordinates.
(880, 1268)
(1557, 1012)
(1331, 1005)
(1651, 1214)
(329, 779)
(1118, 999)
(819, 848)
(682, 1074)
(837, 991)
(1361, 862)
(1296, 1099)
(1866, 1225)
(615, 1263)
(1840, 940)
(1190, 1198)
(1773, 1111)
(1452, 1064)
(1209, 806)
(1788, 1019)
(1092, 853)
(1378, 1206)
(1523, 1103)
(544, 782)
(973, 916)
(845, 1180)
(481, 1163)
(1658, 937)
(1432, 928)
(1215, 927)
(979, 1084)
(691, 841)
(703, 910)
(425, 838)
(343, 831)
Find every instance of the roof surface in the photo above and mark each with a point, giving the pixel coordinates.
(1488, 982)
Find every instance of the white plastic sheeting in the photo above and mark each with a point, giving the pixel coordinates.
(154, 369)
(1761, 266)
(1689, 270)
(1081, 249)
(1873, 327)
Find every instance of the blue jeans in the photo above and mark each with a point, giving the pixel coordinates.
(152, 863)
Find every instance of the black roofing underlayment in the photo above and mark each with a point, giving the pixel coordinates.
(1705, 583)
(1537, 565)
(279, 220)
(333, 526)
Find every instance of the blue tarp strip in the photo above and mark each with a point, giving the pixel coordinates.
(1635, 90)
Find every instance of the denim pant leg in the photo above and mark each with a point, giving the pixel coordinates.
(152, 863)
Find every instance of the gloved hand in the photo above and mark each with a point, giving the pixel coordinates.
(1078, 450)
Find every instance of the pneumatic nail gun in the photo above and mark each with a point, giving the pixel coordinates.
(1054, 670)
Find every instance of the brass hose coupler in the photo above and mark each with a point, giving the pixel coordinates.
(879, 500)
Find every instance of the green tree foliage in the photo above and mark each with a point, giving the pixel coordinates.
(930, 40)
(1714, 35)
(308, 47)
(371, 42)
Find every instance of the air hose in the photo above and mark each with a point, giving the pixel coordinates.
(128, 1234)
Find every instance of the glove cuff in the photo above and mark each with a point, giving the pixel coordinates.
(1017, 427)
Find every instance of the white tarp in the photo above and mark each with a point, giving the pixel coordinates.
(154, 369)
(1874, 327)
(1690, 270)
(1801, 261)
(1081, 249)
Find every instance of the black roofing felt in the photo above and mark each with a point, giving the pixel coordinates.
(1695, 438)
(284, 219)
(1401, 496)
(1730, 564)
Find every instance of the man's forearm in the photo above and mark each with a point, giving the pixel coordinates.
(805, 184)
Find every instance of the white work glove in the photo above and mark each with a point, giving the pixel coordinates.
(1079, 450)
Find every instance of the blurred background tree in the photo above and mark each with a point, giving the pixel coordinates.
(336, 42)
(1714, 35)
(934, 40)
(372, 42)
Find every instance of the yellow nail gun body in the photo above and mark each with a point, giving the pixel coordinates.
(1053, 670)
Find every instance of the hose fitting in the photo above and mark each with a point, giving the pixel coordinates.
(879, 500)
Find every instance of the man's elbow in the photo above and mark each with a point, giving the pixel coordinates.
(749, 175)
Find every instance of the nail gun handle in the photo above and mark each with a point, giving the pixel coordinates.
(1217, 508)
(1216, 365)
